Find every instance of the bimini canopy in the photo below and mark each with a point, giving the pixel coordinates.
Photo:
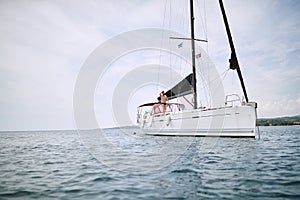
(184, 87)
(158, 103)
(148, 104)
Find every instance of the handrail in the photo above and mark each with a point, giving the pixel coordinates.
(233, 100)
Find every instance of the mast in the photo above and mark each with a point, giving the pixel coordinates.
(193, 54)
(233, 61)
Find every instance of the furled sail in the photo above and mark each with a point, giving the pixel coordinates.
(184, 87)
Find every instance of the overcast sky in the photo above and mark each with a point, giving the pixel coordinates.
(45, 43)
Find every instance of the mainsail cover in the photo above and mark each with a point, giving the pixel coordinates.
(184, 87)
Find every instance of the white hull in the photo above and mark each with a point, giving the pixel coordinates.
(233, 121)
(226, 121)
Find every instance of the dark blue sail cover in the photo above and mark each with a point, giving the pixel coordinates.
(183, 88)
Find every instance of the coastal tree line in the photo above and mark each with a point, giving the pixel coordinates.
(281, 121)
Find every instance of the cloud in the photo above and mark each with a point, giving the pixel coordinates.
(281, 107)
(38, 66)
(44, 44)
(266, 36)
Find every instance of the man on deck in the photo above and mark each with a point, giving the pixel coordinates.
(163, 100)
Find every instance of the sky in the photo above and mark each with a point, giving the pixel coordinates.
(45, 44)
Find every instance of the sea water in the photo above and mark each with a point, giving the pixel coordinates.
(129, 165)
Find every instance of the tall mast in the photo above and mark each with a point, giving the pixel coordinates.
(193, 54)
(234, 64)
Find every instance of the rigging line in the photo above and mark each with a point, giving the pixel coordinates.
(160, 51)
(170, 48)
(187, 63)
(184, 28)
(206, 84)
(223, 74)
(170, 17)
(188, 101)
(201, 18)
(184, 22)
(177, 18)
(168, 27)
(181, 63)
(205, 21)
(182, 25)
(203, 90)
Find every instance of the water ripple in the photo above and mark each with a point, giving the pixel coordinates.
(55, 165)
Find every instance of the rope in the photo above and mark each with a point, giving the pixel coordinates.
(222, 75)
(203, 21)
(225, 73)
(161, 44)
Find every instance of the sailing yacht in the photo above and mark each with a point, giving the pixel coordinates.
(236, 117)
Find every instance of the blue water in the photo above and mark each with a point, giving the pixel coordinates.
(62, 165)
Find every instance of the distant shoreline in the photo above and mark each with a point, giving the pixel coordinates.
(279, 121)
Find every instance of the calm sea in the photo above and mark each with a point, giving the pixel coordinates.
(123, 164)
